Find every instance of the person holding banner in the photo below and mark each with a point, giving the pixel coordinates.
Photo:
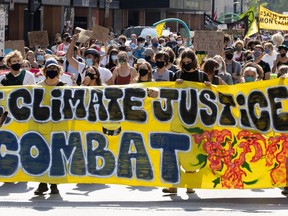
(52, 71)
(16, 76)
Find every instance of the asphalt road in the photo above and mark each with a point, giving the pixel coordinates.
(118, 200)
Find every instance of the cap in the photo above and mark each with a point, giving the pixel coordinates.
(283, 47)
(148, 52)
(51, 61)
(92, 52)
(230, 48)
(141, 61)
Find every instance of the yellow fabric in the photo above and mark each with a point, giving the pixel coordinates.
(210, 151)
(271, 20)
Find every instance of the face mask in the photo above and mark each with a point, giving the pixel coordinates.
(40, 58)
(51, 73)
(122, 61)
(216, 72)
(16, 66)
(89, 62)
(267, 51)
(141, 45)
(229, 56)
(249, 58)
(188, 66)
(147, 58)
(114, 57)
(129, 54)
(1, 58)
(91, 76)
(68, 39)
(257, 54)
(249, 79)
(143, 72)
(238, 49)
(160, 64)
(283, 55)
(172, 39)
(155, 45)
(179, 42)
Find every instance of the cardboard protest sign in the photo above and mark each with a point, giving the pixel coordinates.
(15, 45)
(84, 35)
(38, 38)
(212, 42)
(100, 33)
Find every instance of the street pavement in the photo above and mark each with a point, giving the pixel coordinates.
(118, 200)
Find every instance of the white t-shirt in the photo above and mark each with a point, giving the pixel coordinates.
(29, 78)
(270, 59)
(105, 74)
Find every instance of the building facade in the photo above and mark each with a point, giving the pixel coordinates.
(54, 15)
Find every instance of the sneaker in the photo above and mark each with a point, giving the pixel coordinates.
(41, 189)
(169, 190)
(54, 189)
(190, 191)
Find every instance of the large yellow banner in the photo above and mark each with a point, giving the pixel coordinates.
(187, 135)
(271, 20)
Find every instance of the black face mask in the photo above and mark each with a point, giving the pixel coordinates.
(229, 56)
(160, 64)
(188, 66)
(143, 72)
(16, 66)
(91, 76)
(147, 58)
(283, 55)
(51, 73)
(1, 58)
(216, 72)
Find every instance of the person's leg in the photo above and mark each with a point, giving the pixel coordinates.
(169, 190)
(54, 189)
(41, 189)
(285, 191)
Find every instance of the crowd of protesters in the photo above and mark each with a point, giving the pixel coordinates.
(120, 61)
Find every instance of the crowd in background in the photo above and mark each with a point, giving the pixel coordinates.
(121, 61)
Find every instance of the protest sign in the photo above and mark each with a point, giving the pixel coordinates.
(271, 20)
(212, 42)
(15, 45)
(100, 33)
(84, 35)
(38, 38)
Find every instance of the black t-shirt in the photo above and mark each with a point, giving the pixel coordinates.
(196, 76)
(265, 66)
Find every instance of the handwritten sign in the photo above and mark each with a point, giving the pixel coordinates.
(100, 33)
(15, 45)
(84, 35)
(39, 38)
(212, 42)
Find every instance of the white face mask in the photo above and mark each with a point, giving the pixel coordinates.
(180, 42)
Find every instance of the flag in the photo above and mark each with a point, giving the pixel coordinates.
(250, 14)
(159, 28)
(253, 29)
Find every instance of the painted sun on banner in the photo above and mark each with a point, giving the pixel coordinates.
(186, 135)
